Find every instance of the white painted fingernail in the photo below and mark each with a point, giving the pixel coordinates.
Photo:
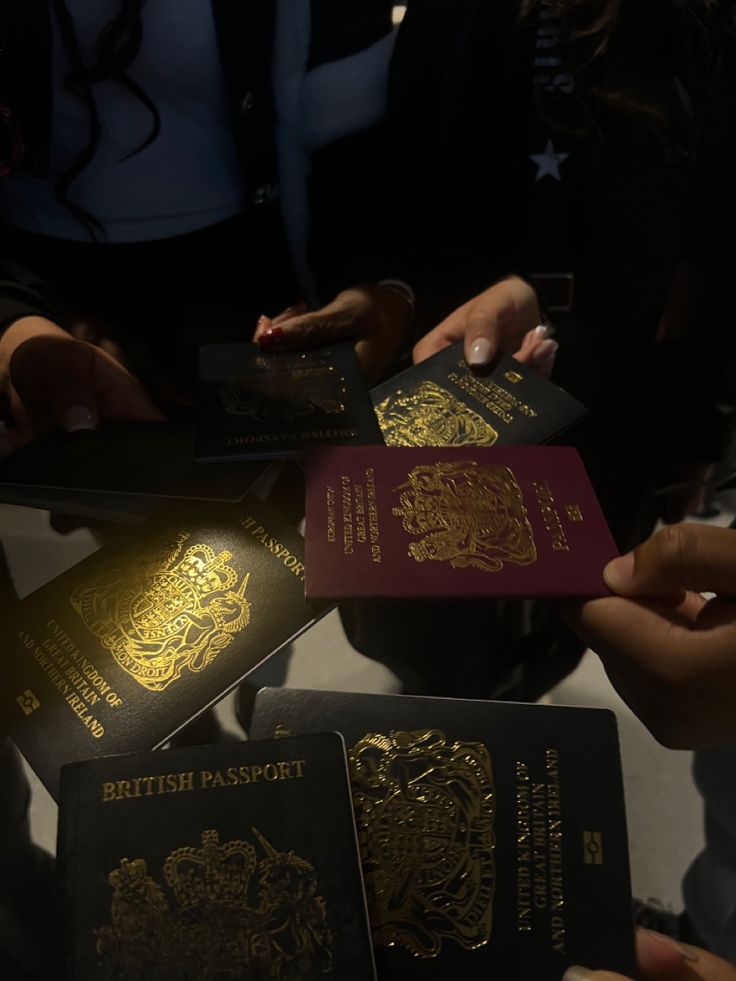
(577, 973)
(6, 447)
(480, 352)
(541, 332)
(78, 418)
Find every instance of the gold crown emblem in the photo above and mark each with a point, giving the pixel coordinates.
(212, 874)
(234, 916)
(206, 571)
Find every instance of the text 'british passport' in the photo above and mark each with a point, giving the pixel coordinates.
(231, 861)
(253, 404)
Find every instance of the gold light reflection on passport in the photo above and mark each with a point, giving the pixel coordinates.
(425, 811)
(285, 388)
(429, 415)
(162, 613)
(466, 514)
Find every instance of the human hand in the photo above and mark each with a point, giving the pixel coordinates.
(375, 317)
(669, 652)
(504, 316)
(53, 381)
(660, 958)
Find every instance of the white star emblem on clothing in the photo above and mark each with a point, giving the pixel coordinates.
(548, 163)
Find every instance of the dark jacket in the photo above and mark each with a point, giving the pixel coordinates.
(640, 192)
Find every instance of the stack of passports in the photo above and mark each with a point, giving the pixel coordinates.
(253, 404)
(443, 402)
(214, 862)
(120, 471)
(456, 522)
(127, 647)
(492, 835)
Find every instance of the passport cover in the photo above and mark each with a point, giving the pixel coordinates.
(493, 835)
(132, 643)
(117, 508)
(142, 459)
(443, 402)
(453, 522)
(274, 405)
(214, 862)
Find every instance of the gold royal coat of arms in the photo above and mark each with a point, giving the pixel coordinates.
(425, 811)
(163, 613)
(466, 514)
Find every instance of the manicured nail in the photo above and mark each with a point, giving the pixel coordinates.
(545, 353)
(688, 953)
(272, 338)
(78, 418)
(577, 973)
(541, 332)
(480, 352)
(619, 573)
(6, 447)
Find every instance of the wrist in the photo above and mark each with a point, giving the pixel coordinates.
(401, 303)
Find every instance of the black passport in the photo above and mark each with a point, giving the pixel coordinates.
(493, 835)
(125, 648)
(253, 404)
(214, 862)
(106, 468)
(443, 402)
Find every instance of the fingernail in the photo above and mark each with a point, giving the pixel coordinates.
(545, 353)
(6, 448)
(541, 332)
(619, 573)
(480, 352)
(272, 338)
(261, 320)
(577, 973)
(78, 418)
(688, 953)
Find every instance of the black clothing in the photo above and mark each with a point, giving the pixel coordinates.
(644, 187)
(245, 34)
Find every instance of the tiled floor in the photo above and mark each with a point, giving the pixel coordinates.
(658, 782)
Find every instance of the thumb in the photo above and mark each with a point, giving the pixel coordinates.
(661, 958)
(53, 378)
(482, 333)
(677, 558)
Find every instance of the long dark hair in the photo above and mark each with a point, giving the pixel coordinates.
(115, 49)
(590, 28)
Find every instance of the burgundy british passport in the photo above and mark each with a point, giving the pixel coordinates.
(465, 522)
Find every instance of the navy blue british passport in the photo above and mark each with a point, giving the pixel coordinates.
(213, 862)
(253, 404)
(492, 835)
(124, 649)
(443, 402)
(121, 467)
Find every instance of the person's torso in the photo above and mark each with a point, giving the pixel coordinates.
(189, 176)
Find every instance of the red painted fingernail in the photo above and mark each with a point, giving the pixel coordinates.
(272, 338)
